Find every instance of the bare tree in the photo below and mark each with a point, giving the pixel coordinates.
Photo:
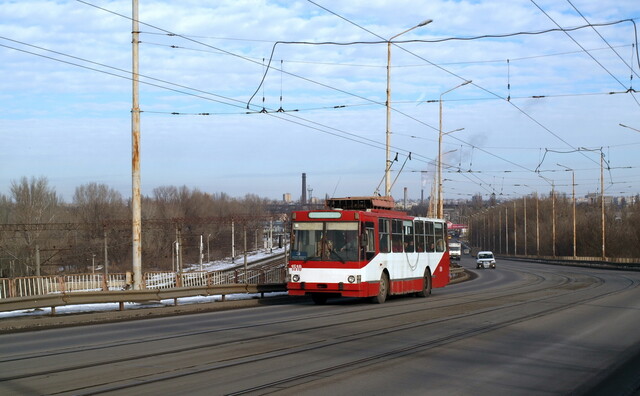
(34, 203)
(100, 210)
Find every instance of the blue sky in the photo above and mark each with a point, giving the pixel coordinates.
(66, 96)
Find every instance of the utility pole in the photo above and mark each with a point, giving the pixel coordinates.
(180, 248)
(515, 230)
(271, 236)
(387, 177)
(506, 224)
(135, 155)
(233, 242)
(244, 233)
(573, 198)
(524, 199)
(537, 225)
(553, 216)
(604, 255)
(201, 252)
(106, 256)
(37, 260)
(500, 230)
(208, 257)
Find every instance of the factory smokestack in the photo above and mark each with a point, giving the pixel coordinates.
(303, 200)
(405, 198)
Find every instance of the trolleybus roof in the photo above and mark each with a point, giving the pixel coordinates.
(360, 203)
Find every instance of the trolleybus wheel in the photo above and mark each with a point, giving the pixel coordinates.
(426, 287)
(383, 292)
(319, 298)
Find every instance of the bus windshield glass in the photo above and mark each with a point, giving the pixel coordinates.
(325, 241)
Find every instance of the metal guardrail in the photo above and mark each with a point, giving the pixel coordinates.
(93, 297)
(595, 262)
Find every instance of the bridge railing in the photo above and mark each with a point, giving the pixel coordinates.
(33, 286)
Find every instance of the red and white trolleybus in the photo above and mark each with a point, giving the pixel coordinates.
(361, 247)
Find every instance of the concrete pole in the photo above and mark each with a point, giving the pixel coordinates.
(553, 217)
(515, 230)
(499, 230)
(271, 236)
(506, 225)
(106, 255)
(233, 242)
(537, 225)
(37, 260)
(180, 249)
(387, 174)
(573, 196)
(440, 197)
(244, 232)
(135, 157)
(604, 253)
(201, 252)
(439, 213)
(524, 199)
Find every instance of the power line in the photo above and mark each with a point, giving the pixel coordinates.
(360, 65)
(463, 79)
(454, 74)
(603, 39)
(385, 41)
(302, 120)
(581, 47)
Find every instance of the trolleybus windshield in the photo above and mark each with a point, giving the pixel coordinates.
(326, 241)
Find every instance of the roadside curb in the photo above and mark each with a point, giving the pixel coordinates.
(34, 323)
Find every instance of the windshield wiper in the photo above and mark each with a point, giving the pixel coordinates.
(337, 255)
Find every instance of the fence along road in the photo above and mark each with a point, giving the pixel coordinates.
(266, 275)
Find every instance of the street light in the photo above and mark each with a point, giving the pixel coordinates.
(625, 126)
(573, 194)
(433, 201)
(440, 200)
(387, 175)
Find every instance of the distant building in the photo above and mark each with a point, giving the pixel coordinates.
(286, 197)
(594, 198)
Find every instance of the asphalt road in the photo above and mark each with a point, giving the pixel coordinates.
(521, 329)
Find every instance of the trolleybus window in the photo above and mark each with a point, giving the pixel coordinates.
(440, 237)
(333, 241)
(383, 227)
(407, 231)
(419, 236)
(431, 242)
(369, 239)
(396, 235)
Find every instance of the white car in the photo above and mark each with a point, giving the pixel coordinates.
(485, 259)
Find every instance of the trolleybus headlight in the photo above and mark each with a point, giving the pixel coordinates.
(296, 278)
(351, 278)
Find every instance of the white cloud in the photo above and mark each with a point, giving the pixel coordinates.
(72, 124)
